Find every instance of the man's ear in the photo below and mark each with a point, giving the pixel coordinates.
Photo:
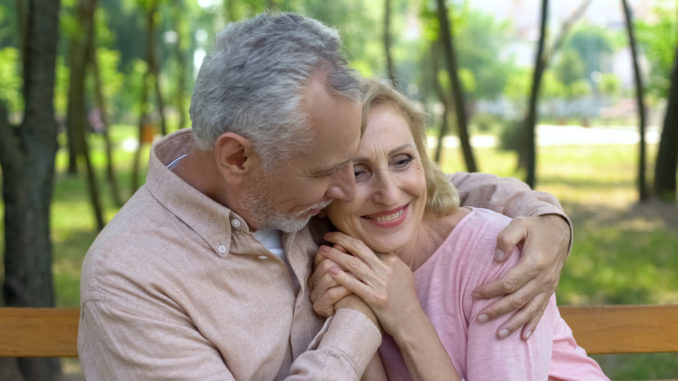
(234, 155)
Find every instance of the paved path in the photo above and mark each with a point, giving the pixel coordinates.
(548, 135)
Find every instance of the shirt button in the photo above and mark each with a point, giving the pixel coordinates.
(263, 257)
(221, 249)
(235, 223)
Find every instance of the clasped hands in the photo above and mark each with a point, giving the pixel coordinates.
(385, 284)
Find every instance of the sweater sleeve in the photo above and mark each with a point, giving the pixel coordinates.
(506, 195)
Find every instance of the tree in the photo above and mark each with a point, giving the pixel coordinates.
(658, 40)
(446, 37)
(76, 116)
(94, 63)
(531, 117)
(666, 163)
(640, 102)
(181, 32)
(591, 44)
(387, 44)
(152, 74)
(27, 156)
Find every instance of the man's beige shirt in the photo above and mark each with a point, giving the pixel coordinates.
(177, 287)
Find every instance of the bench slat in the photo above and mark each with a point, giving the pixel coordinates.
(38, 332)
(624, 328)
(52, 332)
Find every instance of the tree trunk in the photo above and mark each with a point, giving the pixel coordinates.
(181, 66)
(152, 61)
(640, 103)
(565, 29)
(143, 121)
(103, 110)
(442, 96)
(76, 113)
(531, 118)
(27, 157)
(457, 92)
(666, 164)
(387, 44)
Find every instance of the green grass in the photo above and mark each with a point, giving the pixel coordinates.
(623, 252)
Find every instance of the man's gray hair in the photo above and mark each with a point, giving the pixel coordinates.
(252, 83)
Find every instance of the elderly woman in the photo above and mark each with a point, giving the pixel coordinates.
(408, 250)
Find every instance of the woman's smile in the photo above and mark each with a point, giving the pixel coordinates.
(388, 218)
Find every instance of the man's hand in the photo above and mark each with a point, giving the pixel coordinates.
(325, 291)
(528, 286)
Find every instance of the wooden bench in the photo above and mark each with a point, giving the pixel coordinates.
(52, 332)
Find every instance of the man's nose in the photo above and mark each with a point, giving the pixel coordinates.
(343, 187)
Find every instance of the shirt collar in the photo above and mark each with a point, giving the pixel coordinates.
(214, 222)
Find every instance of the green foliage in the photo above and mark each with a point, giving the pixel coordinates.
(478, 41)
(609, 84)
(511, 135)
(112, 80)
(571, 72)
(659, 40)
(592, 43)
(8, 25)
(61, 83)
(10, 80)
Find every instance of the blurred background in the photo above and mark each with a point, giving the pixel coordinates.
(578, 98)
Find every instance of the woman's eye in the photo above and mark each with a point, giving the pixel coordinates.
(401, 161)
(359, 172)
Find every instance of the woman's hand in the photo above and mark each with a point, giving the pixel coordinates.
(383, 281)
(386, 284)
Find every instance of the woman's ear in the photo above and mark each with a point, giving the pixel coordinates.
(235, 156)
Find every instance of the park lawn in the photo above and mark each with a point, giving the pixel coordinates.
(622, 252)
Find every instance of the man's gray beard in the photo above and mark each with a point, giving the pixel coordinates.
(258, 201)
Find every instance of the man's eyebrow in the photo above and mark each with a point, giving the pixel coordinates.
(330, 170)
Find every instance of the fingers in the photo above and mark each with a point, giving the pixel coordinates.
(531, 314)
(324, 305)
(321, 269)
(509, 238)
(348, 262)
(353, 246)
(515, 279)
(532, 324)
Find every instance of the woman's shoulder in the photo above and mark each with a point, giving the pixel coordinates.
(482, 221)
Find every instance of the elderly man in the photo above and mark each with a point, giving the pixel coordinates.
(203, 273)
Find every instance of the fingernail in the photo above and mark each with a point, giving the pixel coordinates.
(526, 335)
(498, 255)
(334, 271)
(503, 333)
(483, 318)
(324, 249)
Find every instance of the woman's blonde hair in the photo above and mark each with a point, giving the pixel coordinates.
(442, 196)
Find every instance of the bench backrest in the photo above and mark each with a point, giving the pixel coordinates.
(51, 332)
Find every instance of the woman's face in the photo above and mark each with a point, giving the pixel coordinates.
(390, 192)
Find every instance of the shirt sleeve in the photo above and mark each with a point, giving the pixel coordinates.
(120, 343)
(341, 350)
(113, 343)
(506, 195)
